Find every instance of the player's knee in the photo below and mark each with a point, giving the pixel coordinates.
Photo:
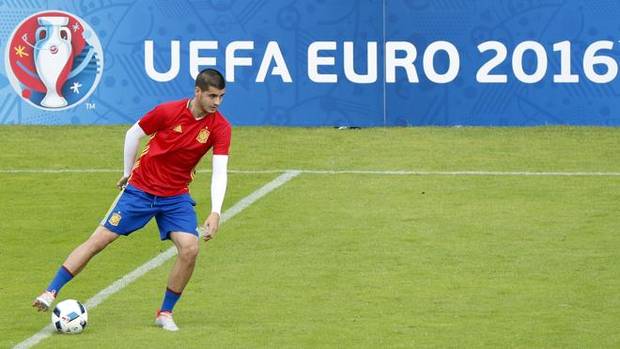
(100, 239)
(189, 252)
(95, 246)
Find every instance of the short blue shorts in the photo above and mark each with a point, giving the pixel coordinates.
(134, 208)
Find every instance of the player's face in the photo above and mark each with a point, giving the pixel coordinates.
(210, 99)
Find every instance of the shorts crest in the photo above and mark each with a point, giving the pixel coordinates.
(115, 219)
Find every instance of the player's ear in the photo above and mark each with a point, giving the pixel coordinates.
(197, 91)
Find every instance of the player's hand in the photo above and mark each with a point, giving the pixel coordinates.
(212, 224)
(122, 183)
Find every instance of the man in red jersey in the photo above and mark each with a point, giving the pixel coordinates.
(156, 185)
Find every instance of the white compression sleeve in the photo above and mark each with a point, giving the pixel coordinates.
(132, 141)
(219, 180)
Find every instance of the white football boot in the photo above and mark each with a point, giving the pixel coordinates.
(44, 301)
(164, 320)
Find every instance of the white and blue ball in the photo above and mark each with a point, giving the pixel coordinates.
(69, 316)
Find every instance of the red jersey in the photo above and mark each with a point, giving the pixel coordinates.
(178, 142)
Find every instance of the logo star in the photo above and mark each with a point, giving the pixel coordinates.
(19, 50)
(76, 87)
(75, 27)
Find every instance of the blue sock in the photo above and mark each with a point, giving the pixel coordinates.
(170, 299)
(62, 277)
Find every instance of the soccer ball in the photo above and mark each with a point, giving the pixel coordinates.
(69, 316)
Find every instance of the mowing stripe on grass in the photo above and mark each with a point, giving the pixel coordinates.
(369, 172)
(162, 257)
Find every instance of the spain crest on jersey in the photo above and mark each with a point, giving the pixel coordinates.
(203, 135)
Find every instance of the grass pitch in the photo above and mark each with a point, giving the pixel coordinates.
(336, 260)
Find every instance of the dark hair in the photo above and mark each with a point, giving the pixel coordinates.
(210, 77)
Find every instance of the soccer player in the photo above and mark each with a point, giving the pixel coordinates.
(156, 185)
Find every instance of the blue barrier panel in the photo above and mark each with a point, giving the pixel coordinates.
(521, 62)
(315, 62)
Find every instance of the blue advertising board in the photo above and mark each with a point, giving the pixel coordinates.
(315, 62)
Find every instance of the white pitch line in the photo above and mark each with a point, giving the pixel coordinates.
(337, 172)
(162, 257)
(464, 173)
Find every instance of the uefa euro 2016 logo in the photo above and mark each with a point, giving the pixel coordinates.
(54, 60)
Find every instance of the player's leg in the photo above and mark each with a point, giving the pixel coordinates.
(131, 210)
(177, 221)
(78, 259)
(187, 251)
(187, 248)
(75, 262)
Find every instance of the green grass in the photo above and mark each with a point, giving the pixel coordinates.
(337, 260)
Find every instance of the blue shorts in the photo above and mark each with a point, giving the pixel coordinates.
(134, 208)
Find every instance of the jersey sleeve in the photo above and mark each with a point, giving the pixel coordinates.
(153, 121)
(221, 146)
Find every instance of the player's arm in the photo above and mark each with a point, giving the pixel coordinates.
(132, 141)
(219, 181)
